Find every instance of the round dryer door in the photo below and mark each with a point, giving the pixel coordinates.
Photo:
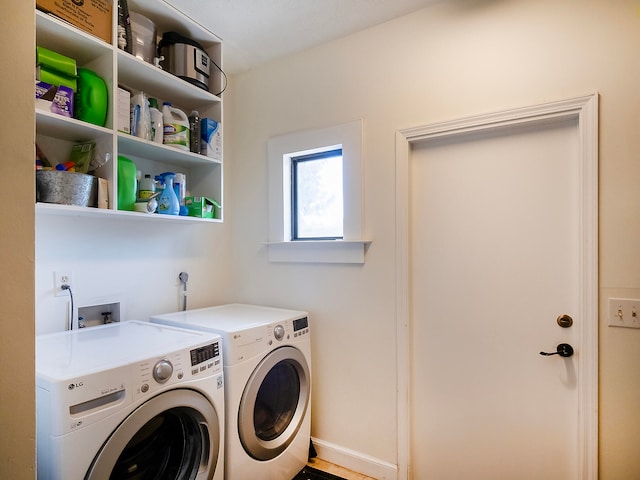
(274, 403)
(173, 436)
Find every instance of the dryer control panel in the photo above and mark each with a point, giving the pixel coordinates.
(248, 343)
(300, 326)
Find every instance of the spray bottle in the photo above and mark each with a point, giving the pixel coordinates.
(168, 203)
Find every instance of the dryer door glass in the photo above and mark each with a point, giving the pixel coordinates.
(274, 403)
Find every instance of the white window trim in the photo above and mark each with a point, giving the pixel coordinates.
(352, 248)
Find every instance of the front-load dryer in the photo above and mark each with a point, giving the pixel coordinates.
(130, 400)
(267, 368)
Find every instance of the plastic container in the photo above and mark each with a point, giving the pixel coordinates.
(157, 123)
(147, 187)
(180, 187)
(143, 31)
(140, 116)
(194, 131)
(91, 98)
(175, 127)
(126, 183)
(168, 203)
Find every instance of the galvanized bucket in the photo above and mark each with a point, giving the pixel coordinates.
(66, 188)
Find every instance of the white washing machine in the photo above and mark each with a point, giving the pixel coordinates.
(267, 367)
(130, 400)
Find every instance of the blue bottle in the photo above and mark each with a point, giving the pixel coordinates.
(168, 203)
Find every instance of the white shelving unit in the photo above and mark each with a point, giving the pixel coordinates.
(56, 134)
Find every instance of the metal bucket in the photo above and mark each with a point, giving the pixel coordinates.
(66, 188)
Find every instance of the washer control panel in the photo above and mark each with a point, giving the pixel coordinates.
(162, 371)
(278, 332)
(183, 365)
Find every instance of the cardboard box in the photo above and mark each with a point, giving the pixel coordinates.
(211, 138)
(92, 16)
(203, 207)
(124, 111)
(54, 99)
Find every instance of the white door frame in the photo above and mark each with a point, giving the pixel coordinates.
(585, 110)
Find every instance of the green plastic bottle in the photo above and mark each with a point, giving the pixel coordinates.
(126, 183)
(91, 98)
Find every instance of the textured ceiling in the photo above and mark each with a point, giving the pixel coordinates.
(256, 31)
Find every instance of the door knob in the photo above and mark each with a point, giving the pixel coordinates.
(563, 349)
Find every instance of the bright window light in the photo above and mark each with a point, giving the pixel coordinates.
(316, 196)
(317, 217)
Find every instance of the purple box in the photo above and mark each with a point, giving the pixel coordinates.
(58, 100)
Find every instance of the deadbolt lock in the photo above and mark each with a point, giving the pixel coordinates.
(565, 321)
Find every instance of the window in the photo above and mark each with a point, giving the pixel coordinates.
(316, 196)
(315, 226)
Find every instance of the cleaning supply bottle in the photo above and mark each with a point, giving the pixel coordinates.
(126, 183)
(168, 203)
(180, 187)
(157, 122)
(140, 116)
(194, 131)
(147, 187)
(176, 127)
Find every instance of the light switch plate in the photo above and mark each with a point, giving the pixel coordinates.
(624, 312)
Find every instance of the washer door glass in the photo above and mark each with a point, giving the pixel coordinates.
(274, 403)
(175, 435)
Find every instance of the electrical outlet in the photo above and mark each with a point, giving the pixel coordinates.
(63, 277)
(624, 312)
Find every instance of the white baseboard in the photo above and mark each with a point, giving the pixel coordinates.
(356, 461)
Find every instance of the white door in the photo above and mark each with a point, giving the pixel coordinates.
(496, 247)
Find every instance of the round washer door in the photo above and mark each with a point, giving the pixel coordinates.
(175, 435)
(274, 403)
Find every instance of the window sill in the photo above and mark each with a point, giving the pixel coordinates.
(320, 251)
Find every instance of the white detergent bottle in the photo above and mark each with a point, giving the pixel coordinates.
(157, 122)
(175, 127)
(140, 116)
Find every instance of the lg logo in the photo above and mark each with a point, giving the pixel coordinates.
(75, 385)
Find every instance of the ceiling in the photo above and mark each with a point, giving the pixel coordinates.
(256, 31)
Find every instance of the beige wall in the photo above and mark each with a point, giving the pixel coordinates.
(455, 59)
(448, 61)
(17, 390)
